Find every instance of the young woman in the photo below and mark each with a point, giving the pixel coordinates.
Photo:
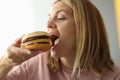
(80, 52)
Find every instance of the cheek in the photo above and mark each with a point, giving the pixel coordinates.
(68, 32)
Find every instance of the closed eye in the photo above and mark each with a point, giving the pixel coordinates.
(60, 18)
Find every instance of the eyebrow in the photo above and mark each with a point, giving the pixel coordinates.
(59, 12)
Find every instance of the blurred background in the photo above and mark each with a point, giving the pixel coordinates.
(18, 17)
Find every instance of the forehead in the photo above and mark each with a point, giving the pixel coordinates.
(58, 6)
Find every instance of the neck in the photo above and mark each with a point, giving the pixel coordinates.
(68, 61)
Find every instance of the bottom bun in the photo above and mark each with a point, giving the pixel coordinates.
(34, 46)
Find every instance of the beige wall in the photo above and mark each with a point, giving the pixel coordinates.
(117, 12)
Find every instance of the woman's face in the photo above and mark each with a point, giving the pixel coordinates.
(61, 24)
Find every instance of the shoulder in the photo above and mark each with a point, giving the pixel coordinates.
(112, 75)
(116, 69)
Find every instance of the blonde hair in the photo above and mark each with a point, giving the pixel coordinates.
(92, 47)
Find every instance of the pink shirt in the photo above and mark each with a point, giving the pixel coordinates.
(36, 69)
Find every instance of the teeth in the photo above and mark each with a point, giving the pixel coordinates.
(53, 38)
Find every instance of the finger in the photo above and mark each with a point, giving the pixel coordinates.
(18, 55)
(12, 50)
(24, 57)
(16, 51)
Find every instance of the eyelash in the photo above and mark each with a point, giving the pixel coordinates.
(60, 18)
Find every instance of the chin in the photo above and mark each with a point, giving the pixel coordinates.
(54, 54)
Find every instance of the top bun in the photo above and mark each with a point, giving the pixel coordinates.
(35, 33)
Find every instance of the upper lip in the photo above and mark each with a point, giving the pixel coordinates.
(53, 33)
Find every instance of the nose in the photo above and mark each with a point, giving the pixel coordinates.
(51, 24)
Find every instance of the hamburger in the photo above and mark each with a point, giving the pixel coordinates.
(38, 40)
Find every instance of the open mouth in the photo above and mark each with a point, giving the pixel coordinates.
(53, 39)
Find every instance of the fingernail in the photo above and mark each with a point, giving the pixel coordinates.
(28, 52)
